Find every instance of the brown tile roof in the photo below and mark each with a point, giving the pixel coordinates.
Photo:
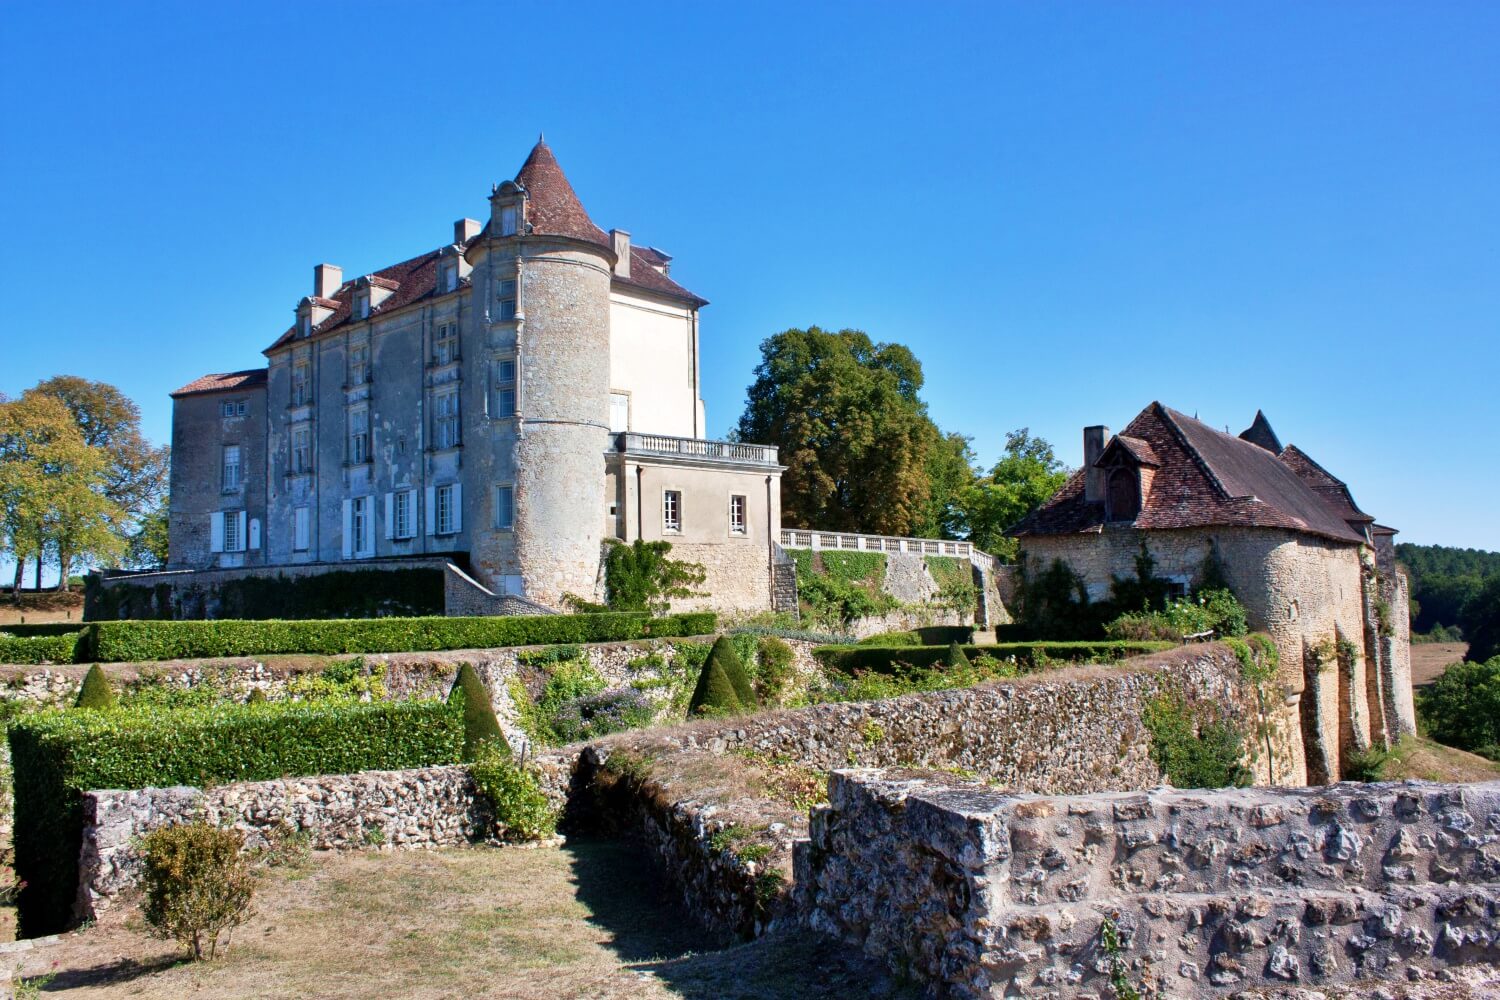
(1206, 478)
(645, 276)
(553, 209)
(1138, 449)
(1333, 490)
(250, 378)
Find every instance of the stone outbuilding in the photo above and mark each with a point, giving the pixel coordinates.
(1312, 569)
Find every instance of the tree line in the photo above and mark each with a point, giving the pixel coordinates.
(863, 454)
(1455, 593)
(80, 485)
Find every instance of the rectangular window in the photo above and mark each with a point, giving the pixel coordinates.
(231, 467)
(445, 419)
(619, 412)
(403, 518)
(234, 539)
(446, 514)
(671, 510)
(505, 388)
(359, 436)
(508, 221)
(450, 277)
(359, 364)
(301, 449)
(445, 343)
(226, 409)
(301, 387)
(362, 306)
(507, 300)
(736, 515)
(241, 408)
(302, 529)
(505, 507)
(361, 539)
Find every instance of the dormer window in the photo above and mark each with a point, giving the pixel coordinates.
(509, 216)
(448, 279)
(304, 326)
(362, 305)
(1129, 464)
(1123, 499)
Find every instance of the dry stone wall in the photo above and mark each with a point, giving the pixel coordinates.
(423, 807)
(1211, 892)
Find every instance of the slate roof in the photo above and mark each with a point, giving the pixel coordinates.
(1259, 432)
(553, 210)
(223, 382)
(1205, 478)
(1333, 490)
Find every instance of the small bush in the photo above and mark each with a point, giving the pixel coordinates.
(734, 668)
(891, 639)
(956, 660)
(774, 670)
(197, 886)
(257, 697)
(520, 808)
(481, 728)
(597, 715)
(95, 692)
(714, 695)
(1192, 750)
(1462, 707)
(564, 684)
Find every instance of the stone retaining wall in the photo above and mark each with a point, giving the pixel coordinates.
(424, 807)
(1212, 892)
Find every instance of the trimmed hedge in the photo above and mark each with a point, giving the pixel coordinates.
(58, 755)
(126, 641)
(42, 628)
(1028, 655)
(70, 647)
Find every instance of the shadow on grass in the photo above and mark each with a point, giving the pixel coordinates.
(120, 971)
(627, 896)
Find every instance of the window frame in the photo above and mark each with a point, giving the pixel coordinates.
(508, 491)
(508, 299)
(233, 519)
(505, 393)
(301, 383)
(403, 515)
(225, 485)
(743, 529)
(301, 453)
(445, 339)
(361, 540)
(447, 427)
(443, 520)
(671, 512)
(357, 443)
(510, 220)
(302, 532)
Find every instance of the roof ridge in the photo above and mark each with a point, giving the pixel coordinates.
(1170, 416)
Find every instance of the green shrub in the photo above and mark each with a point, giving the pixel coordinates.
(481, 728)
(774, 669)
(1028, 655)
(891, 639)
(1193, 749)
(44, 648)
(941, 635)
(854, 567)
(734, 668)
(257, 697)
(642, 577)
(164, 640)
(1215, 611)
(1462, 707)
(58, 755)
(520, 809)
(564, 683)
(596, 715)
(197, 885)
(714, 694)
(838, 587)
(95, 692)
(956, 660)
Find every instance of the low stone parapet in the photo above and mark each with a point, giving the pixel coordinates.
(1208, 892)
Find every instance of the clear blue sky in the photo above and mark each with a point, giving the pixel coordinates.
(1066, 210)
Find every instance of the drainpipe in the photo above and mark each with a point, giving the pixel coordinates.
(770, 547)
(640, 495)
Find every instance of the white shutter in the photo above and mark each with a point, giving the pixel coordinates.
(458, 507)
(255, 533)
(390, 516)
(347, 541)
(411, 513)
(431, 512)
(216, 531)
(243, 523)
(369, 549)
(302, 529)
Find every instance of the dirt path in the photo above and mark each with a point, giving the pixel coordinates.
(1430, 659)
(584, 920)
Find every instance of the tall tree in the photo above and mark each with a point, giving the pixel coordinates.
(853, 433)
(136, 479)
(1026, 476)
(950, 470)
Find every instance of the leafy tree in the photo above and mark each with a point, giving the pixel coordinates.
(1481, 621)
(147, 547)
(642, 577)
(196, 885)
(950, 471)
(1026, 476)
(1462, 707)
(53, 487)
(854, 436)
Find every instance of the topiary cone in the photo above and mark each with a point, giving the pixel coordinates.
(956, 658)
(481, 728)
(257, 697)
(96, 692)
(734, 669)
(714, 694)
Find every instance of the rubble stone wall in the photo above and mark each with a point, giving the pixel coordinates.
(1210, 892)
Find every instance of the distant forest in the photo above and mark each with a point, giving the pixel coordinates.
(1444, 583)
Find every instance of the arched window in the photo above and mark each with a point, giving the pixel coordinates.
(1124, 498)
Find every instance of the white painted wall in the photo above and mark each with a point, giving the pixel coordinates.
(651, 357)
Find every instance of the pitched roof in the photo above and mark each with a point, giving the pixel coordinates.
(1206, 478)
(1333, 490)
(1259, 432)
(644, 262)
(1137, 448)
(223, 382)
(553, 208)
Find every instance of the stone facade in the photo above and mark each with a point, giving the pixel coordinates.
(992, 894)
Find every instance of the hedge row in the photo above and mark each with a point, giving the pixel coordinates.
(58, 755)
(42, 628)
(43, 648)
(121, 642)
(1028, 655)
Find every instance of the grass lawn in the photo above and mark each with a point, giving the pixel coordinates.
(1421, 758)
(583, 920)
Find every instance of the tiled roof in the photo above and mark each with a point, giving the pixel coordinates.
(644, 275)
(223, 382)
(1333, 490)
(1259, 432)
(553, 209)
(1206, 478)
(1138, 448)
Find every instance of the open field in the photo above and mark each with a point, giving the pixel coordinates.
(37, 609)
(585, 920)
(1430, 659)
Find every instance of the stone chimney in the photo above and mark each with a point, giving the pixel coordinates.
(1094, 439)
(326, 280)
(620, 240)
(465, 230)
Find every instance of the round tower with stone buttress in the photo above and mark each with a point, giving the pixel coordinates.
(542, 269)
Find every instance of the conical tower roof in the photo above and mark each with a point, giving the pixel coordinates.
(554, 208)
(1259, 433)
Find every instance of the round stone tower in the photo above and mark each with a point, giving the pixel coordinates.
(544, 271)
